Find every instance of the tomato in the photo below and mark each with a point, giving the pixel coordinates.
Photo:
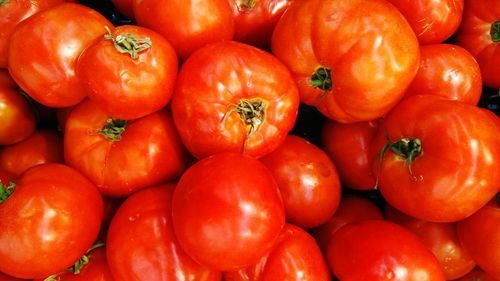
(439, 157)
(307, 179)
(6, 177)
(187, 24)
(295, 256)
(18, 118)
(43, 146)
(47, 72)
(130, 72)
(227, 211)
(141, 244)
(441, 239)
(479, 33)
(5, 277)
(351, 59)
(477, 274)
(480, 235)
(352, 208)
(380, 250)
(433, 21)
(348, 146)
(231, 97)
(125, 7)
(51, 218)
(449, 71)
(119, 156)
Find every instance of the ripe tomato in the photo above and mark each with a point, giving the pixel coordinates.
(47, 72)
(439, 158)
(130, 72)
(351, 59)
(477, 274)
(433, 21)
(441, 239)
(233, 97)
(479, 33)
(227, 211)
(6, 177)
(120, 156)
(5, 277)
(449, 71)
(187, 24)
(379, 250)
(141, 244)
(48, 222)
(307, 179)
(295, 256)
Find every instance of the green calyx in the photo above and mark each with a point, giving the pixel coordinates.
(6, 191)
(322, 78)
(129, 44)
(114, 129)
(245, 6)
(4, 2)
(495, 31)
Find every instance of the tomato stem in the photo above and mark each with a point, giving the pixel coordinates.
(129, 44)
(322, 78)
(495, 31)
(114, 129)
(6, 191)
(245, 6)
(4, 2)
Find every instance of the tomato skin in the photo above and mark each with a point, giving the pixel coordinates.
(149, 152)
(144, 221)
(47, 72)
(204, 106)
(227, 211)
(441, 239)
(5, 277)
(394, 254)
(480, 235)
(307, 179)
(125, 87)
(368, 46)
(459, 150)
(477, 274)
(432, 27)
(50, 220)
(447, 70)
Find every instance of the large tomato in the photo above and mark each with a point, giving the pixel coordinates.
(227, 211)
(351, 59)
(47, 72)
(51, 218)
(5, 277)
(234, 97)
(437, 158)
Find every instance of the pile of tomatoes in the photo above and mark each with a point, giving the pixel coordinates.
(249, 140)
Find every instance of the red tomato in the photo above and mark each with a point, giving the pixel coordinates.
(142, 245)
(43, 146)
(351, 59)
(121, 157)
(348, 146)
(441, 239)
(439, 157)
(49, 221)
(380, 250)
(187, 24)
(232, 97)
(5, 277)
(13, 12)
(6, 177)
(480, 235)
(433, 21)
(449, 71)
(47, 72)
(351, 209)
(477, 274)
(479, 33)
(295, 256)
(125, 7)
(307, 179)
(130, 72)
(227, 211)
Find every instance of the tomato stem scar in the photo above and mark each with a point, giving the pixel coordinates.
(245, 6)
(6, 191)
(129, 44)
(322, 78)
(113, 129)
(495, 31)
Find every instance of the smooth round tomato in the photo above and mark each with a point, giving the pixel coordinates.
(47, 72)
(437, 158)
(295, 256)
(433, 21)
(479, 33)
(477, 274)
(380, 250)
(130, 72)
(307, 179)
(351, 59)
(447, 70)
(120, 156)
(227, 211)
(441, 239)
(5, 277)
(48, 222)
(232, 97)
(141, 244)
